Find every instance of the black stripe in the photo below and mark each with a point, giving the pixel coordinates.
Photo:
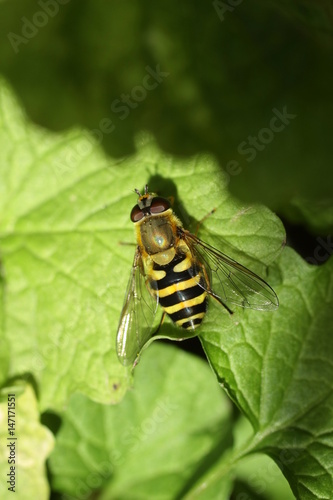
(181, 296)
(171, 277)
(191, 323)
(187, 312)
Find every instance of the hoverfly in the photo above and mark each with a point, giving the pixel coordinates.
(176, 270)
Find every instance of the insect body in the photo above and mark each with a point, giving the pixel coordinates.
(175, 269)
(179, 287)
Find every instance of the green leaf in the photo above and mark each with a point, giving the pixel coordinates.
(166, 432)
(278, 368)
(59, 308)
(64, 210)
(257, 475)
(60, 235)
(29, 447)
(160, 439)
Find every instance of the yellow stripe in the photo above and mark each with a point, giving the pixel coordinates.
(185, 320)
(186, 303)
(183, 265)
(157, 275)
(182, 285)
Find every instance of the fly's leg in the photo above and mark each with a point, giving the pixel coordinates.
(203, 220)
(221, 302)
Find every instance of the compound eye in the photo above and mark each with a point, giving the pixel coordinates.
(159, 205)
(136, 214)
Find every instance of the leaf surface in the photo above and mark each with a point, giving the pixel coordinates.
(278, 369)
(161, 436)
(60, 241)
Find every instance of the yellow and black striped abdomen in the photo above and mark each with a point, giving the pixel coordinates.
(177, 285)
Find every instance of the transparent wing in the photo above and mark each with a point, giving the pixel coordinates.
(231, 282)
(137, 320)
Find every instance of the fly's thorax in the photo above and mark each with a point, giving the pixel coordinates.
(156, 234)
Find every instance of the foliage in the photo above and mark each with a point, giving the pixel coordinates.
(169, 430)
